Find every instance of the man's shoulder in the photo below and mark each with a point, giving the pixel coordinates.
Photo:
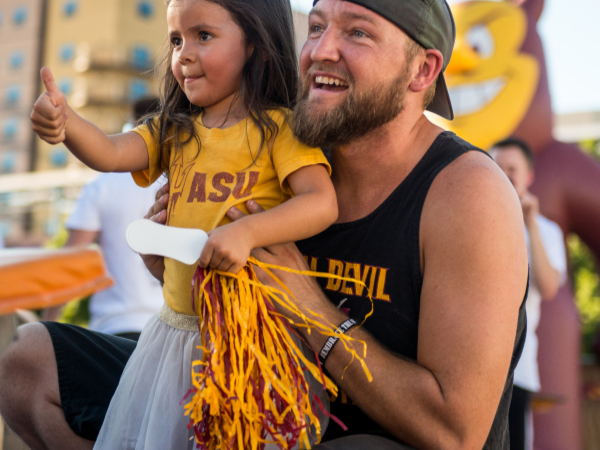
(472, 168)
(471, 190)
(450, 141)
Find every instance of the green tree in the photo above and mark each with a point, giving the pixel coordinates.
(586, 281)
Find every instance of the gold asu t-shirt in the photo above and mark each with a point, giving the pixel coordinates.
(224, 171)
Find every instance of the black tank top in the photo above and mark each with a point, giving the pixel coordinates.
(382, 250)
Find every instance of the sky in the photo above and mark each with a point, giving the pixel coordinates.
(571, 35)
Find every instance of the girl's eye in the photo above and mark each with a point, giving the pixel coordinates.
(205, 36)
(175, 42)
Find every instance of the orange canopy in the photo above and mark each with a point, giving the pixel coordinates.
(37, 278)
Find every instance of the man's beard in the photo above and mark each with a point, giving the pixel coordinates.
(356, 117)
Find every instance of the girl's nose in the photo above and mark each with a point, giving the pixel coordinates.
(186, 55)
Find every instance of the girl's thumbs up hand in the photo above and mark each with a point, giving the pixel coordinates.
(49, 116)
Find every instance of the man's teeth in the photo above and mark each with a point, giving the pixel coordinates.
(326, 80)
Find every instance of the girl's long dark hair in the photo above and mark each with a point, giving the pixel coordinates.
(269, 77)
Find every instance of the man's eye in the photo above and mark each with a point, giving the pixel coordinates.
(316, 29)
(358, 33)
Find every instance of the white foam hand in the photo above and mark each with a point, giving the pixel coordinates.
(182, 244)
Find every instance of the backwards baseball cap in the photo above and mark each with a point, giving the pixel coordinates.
(428, 22)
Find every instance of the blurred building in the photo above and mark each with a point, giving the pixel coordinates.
(101, 53)
(301, 29)
(20, 41)
(577, 127)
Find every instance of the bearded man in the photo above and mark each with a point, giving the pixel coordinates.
(429, 223)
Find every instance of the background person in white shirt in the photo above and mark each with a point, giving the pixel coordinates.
(102, 213)
(547, 262)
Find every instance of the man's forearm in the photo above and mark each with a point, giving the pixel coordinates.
(404, 398)
(545, 277)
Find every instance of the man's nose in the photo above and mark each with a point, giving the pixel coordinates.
(326, 48)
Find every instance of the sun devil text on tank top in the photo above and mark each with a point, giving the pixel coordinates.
(382, 251)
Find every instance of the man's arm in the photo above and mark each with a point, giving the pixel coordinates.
(474, 264)
(157, 213)
(77, 238)
(545, 277)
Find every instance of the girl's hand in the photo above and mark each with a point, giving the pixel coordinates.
(49, 115)
(285, 255)
(228, 248)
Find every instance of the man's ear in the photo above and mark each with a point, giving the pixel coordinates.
(533, 8)
(430, 66)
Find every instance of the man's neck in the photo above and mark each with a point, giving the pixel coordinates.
(366, 171)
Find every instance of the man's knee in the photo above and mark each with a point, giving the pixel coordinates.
(27, 368)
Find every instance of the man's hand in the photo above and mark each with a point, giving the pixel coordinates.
(285, 255)
(49, 116)
(157, 213)
(544, 276)
(531, 207)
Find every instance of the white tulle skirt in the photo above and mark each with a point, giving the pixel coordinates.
(145, 412)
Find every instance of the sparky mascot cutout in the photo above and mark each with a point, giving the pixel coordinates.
(498, 84)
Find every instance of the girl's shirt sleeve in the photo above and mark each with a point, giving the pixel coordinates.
(289, 154)
(145, 178)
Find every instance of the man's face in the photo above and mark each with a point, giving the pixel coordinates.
(355, 74)
(513, 163)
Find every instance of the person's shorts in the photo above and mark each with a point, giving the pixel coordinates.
(89, 366)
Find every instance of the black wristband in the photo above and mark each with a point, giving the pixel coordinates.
(332, 340)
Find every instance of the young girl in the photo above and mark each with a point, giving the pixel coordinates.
(222, 135)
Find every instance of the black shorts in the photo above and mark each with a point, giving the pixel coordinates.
(89, 365)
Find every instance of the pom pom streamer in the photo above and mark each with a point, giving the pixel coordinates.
(249, 388)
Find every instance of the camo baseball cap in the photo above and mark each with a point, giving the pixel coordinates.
(428, 22)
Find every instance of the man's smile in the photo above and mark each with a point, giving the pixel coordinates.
(328, 82)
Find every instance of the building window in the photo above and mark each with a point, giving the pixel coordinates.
(59, 157)
(10, 128)
(69, 8)
(15, 60)
(138, 89)
(20, 15)
(65, 85)
(140, 57)
(66, 52)
(146, 9)
(13, 95)
(8, 162)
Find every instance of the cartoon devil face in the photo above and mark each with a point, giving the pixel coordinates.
(491, 83)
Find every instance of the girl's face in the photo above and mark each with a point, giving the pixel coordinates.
(209, 52)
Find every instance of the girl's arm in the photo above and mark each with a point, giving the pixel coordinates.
(51, 114)
(312, 209)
